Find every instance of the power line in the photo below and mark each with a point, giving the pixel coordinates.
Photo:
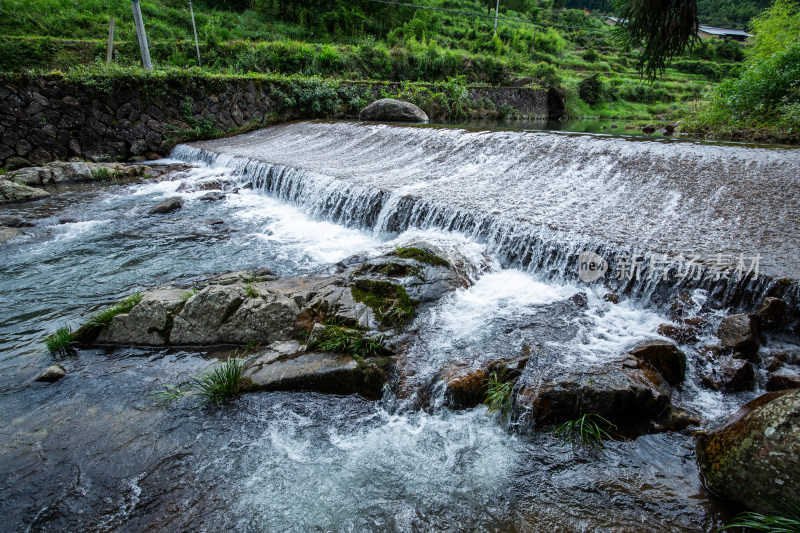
(481, 15)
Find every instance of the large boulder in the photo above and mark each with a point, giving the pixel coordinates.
(664, 357)
(622, 391)
(753, 458)
(772, 312)
(15, 192)
(740, 333)
(391, 110)
(147, 323)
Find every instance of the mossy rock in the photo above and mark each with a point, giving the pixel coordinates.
(423, 256)
(753, 459)
(390, 302)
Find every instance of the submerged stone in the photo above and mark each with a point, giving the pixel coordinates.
(52, 374)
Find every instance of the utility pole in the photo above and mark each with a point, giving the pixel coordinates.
(141, 35)
(194, 28)
(110, 53)
(496, 11)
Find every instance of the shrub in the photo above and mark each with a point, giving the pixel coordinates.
(547, 73)
(591, 89)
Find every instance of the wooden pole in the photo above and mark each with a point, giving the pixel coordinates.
(141, 35)
(496, 12)
(194, 28)
(110, 53)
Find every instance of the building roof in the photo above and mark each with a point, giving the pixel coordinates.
(723, 31)
(708, 29)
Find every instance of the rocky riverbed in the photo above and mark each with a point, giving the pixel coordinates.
(226, 271)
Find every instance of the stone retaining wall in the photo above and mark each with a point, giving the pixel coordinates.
(56, 118)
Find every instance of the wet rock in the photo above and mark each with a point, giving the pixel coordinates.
(249, 307)
(649, 129)
(14, 192)
(6, 234)
(772, 312)
(730, 375)
(618, 390)
(14, 221)
(664, 357)
(669, 129)
(31, 176)
(167, 206)
(677, 420)
(229, 315)
(683, 334)
(753, 458)
(52, 374)
(389, 109)
(213, 196)
(320, 372)
(611, 297)
(148, 323)
(740, 333)
(778, 382)
(466, 386)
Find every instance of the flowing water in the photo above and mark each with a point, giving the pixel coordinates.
(96, 452)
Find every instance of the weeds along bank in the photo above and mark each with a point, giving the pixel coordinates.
(118, 113)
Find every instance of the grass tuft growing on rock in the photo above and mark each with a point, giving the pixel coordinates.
(498, 395)
(347, 341)
(390, 302)
(103, 318)
(213, 386)
(787, 523)
(250, 290)
(589, 430)
(61, 342)
(421, 255)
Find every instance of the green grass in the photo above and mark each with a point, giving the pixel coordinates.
(790, 523)
(498, 396)
(250, 290)
(347, 341)
(214, 386)
(589, 430)
(61, 342)
(103, 318)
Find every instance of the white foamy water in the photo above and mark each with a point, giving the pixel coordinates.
(297, 235)
(384, 470)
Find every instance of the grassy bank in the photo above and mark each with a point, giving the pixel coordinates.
(361, 40)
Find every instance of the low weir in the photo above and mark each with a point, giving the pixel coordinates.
(664, 217)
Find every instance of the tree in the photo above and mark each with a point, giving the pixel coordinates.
(665, 28)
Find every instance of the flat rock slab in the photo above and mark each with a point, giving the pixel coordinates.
(15, 192)
(320, 372)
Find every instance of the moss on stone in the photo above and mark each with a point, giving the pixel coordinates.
(421, 255)
(390, 302)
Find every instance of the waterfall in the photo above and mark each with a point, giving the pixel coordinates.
(388, 204)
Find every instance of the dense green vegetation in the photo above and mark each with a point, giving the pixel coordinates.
(765, 98)
(547, 40)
